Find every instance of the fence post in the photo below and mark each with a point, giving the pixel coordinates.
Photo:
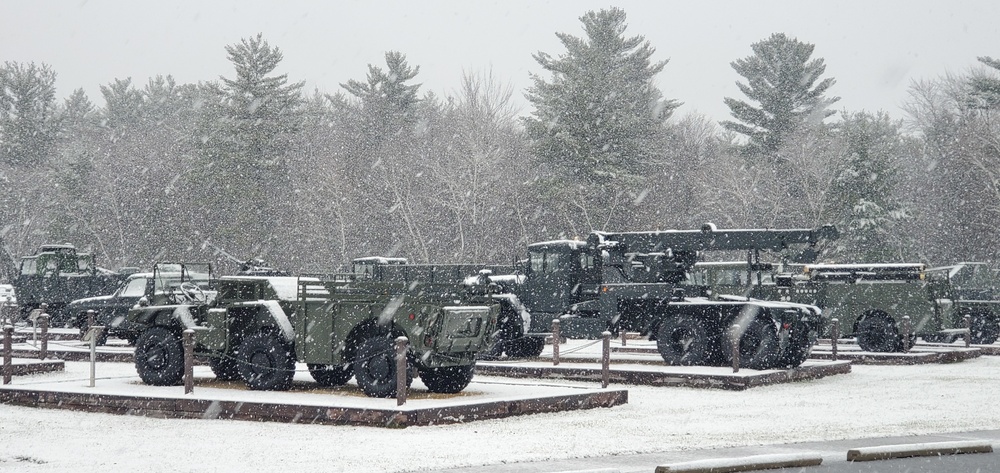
(907, 329)
(91, 318)
(623, 338)
(188, 337)
(834, 335)
(734, 347)
(8, 310)
(555, 342)
(8, 368)
(94, 333)
(606, 359)
(43, 322)
(968, 330)
(401, 370)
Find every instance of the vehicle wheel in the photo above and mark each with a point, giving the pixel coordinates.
(878, 333)
(450, 379)
(983, 329)
(225, 367)
(159, 357)
(331, 375)
(800, 345)
(375, 367)
(524, 347)
(266, 363)
(493, 352)
(759, 348)
(683, 340)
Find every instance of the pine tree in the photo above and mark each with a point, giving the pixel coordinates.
(863, 198)
(388, 103)
(986, 88)
(781, 80)
(246, 130)
(28, 113)
(598, 119)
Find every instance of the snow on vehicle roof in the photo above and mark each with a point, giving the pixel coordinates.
(572, 244)
(286, 287)
(380, 260)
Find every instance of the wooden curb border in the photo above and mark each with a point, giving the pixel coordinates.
(181, 408)
(625, 375)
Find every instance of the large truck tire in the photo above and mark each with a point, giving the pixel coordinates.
(225, 367)
(983, 329)
(524, 347)
(800, 344)
(159, 357)
(683, 340)
(759, 347)
(375, 367)
(266, 363)
(878, 333)
(331, 375)
(448, 379)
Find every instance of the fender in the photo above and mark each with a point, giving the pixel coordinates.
(276, 314)
(518, 307)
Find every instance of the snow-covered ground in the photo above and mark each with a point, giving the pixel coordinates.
(871, 401)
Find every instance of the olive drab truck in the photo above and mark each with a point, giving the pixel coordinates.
(513, 320)
(258, 327)
(634, 281)
(870, 301)
(968, 289)
(57, 274)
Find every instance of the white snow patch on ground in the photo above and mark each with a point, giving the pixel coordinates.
(871, 401)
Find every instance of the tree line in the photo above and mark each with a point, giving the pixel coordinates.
(252, 165)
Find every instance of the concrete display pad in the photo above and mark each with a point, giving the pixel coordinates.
(26, 366)
(637, 362)
(75, 350)
(664, 375)
(919, 354)
(306, 402)
(987, 350)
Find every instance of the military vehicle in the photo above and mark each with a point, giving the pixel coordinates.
(869, 300)
(512, 321)
(633, 281)
(969, 289)
(111, 310)
(257, 327)
(58, 274)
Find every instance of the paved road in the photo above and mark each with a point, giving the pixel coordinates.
(834, 458)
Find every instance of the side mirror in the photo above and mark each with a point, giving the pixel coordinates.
(143, 302)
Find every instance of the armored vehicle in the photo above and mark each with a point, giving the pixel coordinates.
(56, 275)
(634, 281)
(258, 327)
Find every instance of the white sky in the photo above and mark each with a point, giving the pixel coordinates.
(873, 49)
